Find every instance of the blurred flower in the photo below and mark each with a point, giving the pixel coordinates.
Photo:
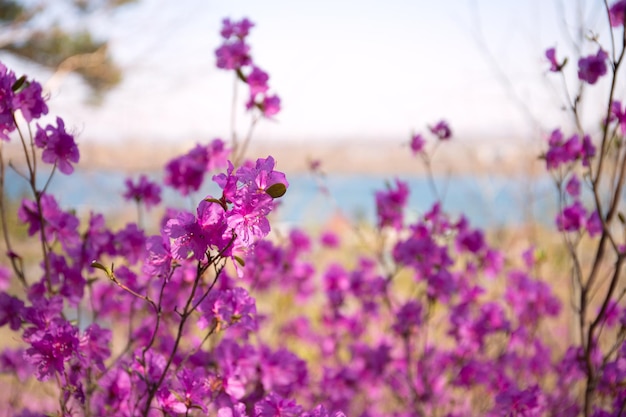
(617, 13)
(417, 143)
(592, 67)
(441, 130)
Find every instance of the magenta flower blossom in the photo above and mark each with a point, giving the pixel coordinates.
(158, 258)
(239, 29)
(5, 278)
(59, 224)
(408, 318)
(186, 237)
(530, 298)
(274, 405)
(7, 79)
(441, 130)
(619, 115)
(94, 346)
(573, 186)
(58, 146)
(528, 402)
(186, 393)
(555, 66)
(417, 144)
(562, 152)
(572, 218)
(30, 101)
(226, 308)
(130, 242)
(50, 350)
(11, 311)
(144, 191)
(270, 105)
(330, 240)
(257, 81)
(233, 56)
(593, 224)
(186, 173)
(390, 205)
(617, 13)
(592, 67)
(262, 176)
(282, 372)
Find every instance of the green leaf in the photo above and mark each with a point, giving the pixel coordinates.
(277, 190)
(19, 83)
(98, 265)
(239, 260)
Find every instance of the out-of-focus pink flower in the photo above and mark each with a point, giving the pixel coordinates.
(441, 130)
(617, 13)
(555, 66)
(573, 186)
(592, 67)
(417, 144)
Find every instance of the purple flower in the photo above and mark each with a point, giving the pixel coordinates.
(530, 299)
(592, 67)
(270, 105)
(5, 278)
(131, 243)
(563, 152)
(619, 115)
(94, 346)
(7, 79)
(529, 402)
(408, 318)
(239, 29)
(417, 144)
(30, 101)
(59, 224)
(617, 13)
(441, 130)
(58, 146)
(187, 392)
(282, 372)
(257, 81)
(573, 186)
(186, 173)
(12, 361)
(52, 348)
(594, 224)
(554, 65)
(572, 218)
(330, 240)
(158, 257)
(186, 237)
(145, 190)
(274, 405)
(228, 308)
(233, 55)
(390, 205)
(11, 311)
(261, 176)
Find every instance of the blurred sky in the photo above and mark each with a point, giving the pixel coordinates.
(344, 69)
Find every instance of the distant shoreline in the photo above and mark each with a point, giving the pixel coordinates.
(454, 157)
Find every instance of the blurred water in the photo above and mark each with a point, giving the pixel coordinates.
(488, 201)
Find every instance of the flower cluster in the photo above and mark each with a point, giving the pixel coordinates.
(561, 151)
(418, 315)
(234, 54)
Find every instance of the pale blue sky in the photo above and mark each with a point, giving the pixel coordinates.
(345, 69)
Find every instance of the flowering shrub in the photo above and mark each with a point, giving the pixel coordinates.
(432, 321)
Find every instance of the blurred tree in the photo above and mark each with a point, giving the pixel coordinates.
(54, 34)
